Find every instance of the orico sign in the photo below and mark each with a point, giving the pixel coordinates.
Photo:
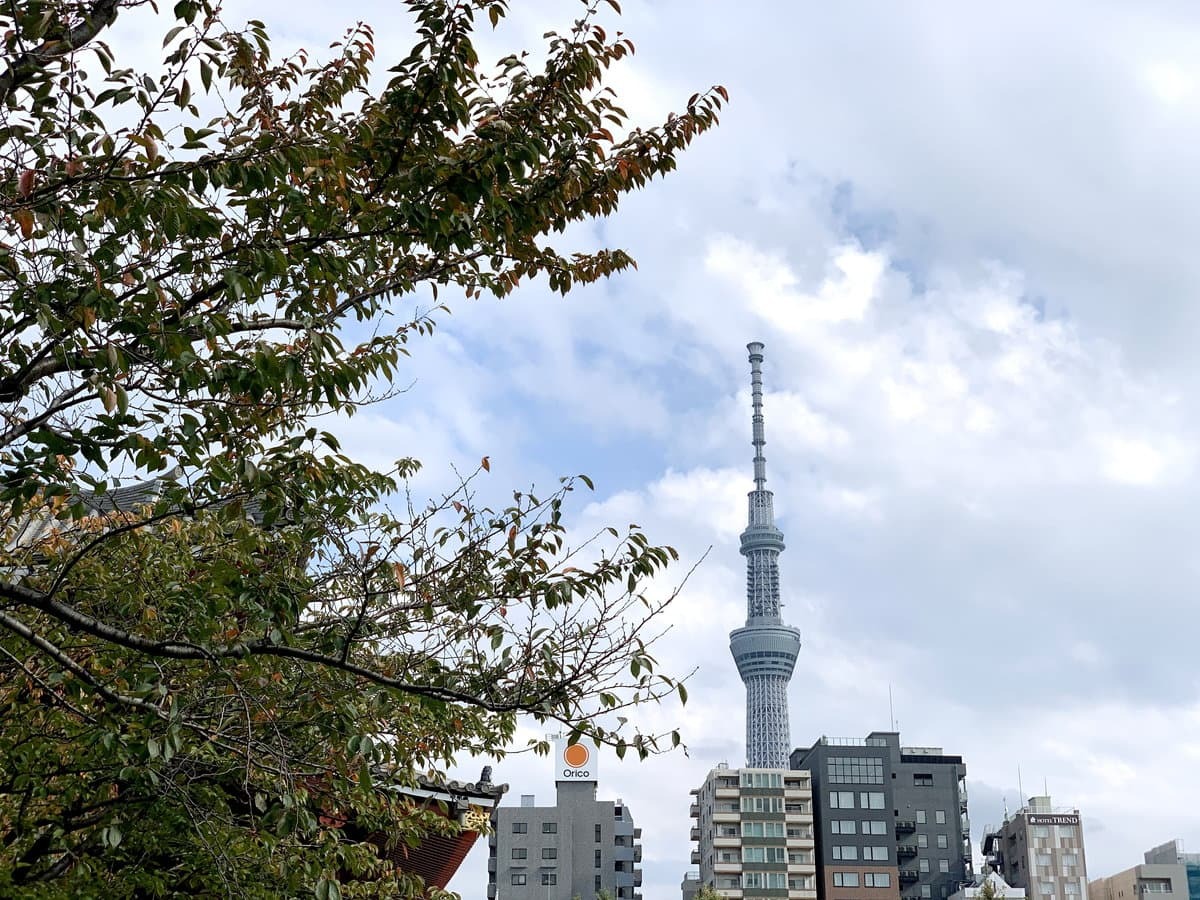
(576, 762)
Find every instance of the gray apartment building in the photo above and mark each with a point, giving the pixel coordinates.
(1167, 873)
(1040, 849)
(1171, 854)
(891, 821)
(1145, 882)
(578, 847)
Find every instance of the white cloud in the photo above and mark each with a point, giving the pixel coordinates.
(1170, 82)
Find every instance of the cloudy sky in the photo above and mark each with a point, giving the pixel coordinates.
(967, 235)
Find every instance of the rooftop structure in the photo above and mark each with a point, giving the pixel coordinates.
(436, 858)
(765, 650)
(999, 889)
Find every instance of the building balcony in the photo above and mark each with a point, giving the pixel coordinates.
(695, 857)
(906, 851)
(695, 833)
(727, 840)
(726, 816)
(908, 876)
(904, 826)
(694, 811)
(726, 793)
(732, 867)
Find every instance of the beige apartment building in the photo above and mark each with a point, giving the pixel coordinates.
(1040, 849)
(754, 834)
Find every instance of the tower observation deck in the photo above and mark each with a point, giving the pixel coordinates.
(765, 650)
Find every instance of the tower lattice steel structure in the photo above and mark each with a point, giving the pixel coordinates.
(765, 650)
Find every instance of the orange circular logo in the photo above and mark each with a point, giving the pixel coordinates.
(576, 756)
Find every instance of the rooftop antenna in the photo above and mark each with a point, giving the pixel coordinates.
(1020, 787)
(1045, 787)
(891, 708)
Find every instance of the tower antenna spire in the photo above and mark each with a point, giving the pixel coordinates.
(765, 650)
(759, 439)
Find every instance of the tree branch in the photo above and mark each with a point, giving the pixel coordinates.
(22, 69)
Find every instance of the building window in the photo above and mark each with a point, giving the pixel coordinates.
(762, 779)
(1041, 831)
(599, 861)
(549, 853)
(922, 780)
(923, 865)
(1044, 859)
(943, 866)
(1066, 831)
(942, 841)
(1072, 887)
(520, 827)
(939, 817)
(874, 827)
(841, 799)
(926, 891)
(923, 841)
(845, 879)
(856, 770)
(597, 832)
(920, 817)
(762, 804)
(549, 828)
(1046, 888)
(844, 826)
(871, 800)
(520, 853)
(599, 884)
(549, 878)
(518, 878)
(877, 879)
(763, 829)
(875, 853)
(846, 852)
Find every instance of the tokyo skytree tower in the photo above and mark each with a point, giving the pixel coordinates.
(765, 650)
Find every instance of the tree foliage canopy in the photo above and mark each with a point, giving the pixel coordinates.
(200, 261)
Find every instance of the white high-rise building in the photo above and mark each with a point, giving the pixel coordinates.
(754, 834)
